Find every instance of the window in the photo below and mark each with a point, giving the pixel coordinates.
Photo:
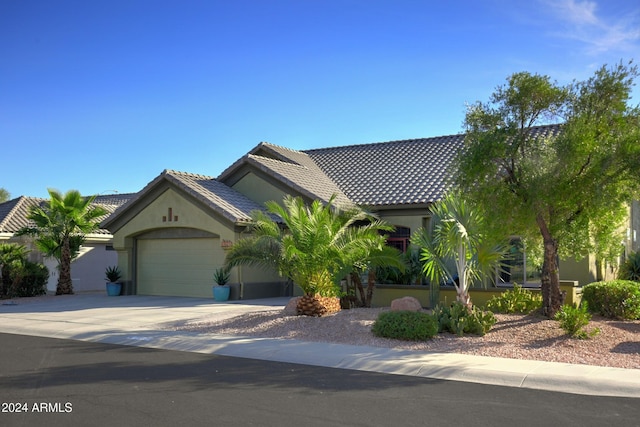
(517, 269)
(400, 238)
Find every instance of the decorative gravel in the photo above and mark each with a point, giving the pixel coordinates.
(513, 336)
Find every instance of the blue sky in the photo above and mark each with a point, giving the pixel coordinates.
(101, 96)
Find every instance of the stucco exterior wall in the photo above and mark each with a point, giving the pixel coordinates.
(186, 216)
(258, 190)
(87, 271)
(155, 217)
(409, 220)
(583, 270)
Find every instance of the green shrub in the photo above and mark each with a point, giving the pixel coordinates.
(405, 325)
(410, 275)
(460, 320)
(29, 280)
(617, 299)
(573, 320)
(630, 269)
(518, 300)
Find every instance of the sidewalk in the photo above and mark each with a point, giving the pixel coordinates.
(139, 320)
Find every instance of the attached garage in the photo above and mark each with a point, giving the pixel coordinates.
(177, 266)
(171, 237)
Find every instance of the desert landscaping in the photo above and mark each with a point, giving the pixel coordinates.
(514, 336)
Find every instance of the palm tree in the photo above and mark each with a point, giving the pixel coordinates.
(60, 227)
(12, 256)
(315, 245)
(457, 239)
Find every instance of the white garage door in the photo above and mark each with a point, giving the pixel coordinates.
(177, 267)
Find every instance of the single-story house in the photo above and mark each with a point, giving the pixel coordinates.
(172, 235)
(95, 254)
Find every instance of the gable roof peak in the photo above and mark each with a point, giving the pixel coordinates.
(185, 174)
(277, 147)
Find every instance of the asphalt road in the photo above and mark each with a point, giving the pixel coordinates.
(52, 382)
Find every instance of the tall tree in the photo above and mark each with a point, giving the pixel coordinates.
(60, 228)
(566, 186)
(317, 246)
(4, 195)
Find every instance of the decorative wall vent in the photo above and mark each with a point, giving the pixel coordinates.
(170, 217)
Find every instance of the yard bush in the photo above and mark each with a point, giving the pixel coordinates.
(459, 319)
(405, 325)
(518, 300)
(28, 279)
(573, 320)
(617, 299)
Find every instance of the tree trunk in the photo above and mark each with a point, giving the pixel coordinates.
(463, 297)
(65, 286)
(599, 270)
(371, 283)
(355, 278)
(550, 279)
(462, 288)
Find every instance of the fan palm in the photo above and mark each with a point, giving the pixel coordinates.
(457, 239)
(316, 246)
(60, 227)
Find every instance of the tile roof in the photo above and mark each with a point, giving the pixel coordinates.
(293, 168)
(230, 203)
(223, 199)
(404, 172)
(13, 213)
(396, 173)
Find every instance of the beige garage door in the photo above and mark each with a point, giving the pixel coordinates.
(177, 267)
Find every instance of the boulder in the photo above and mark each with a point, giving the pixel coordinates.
(291, 309)
(406, 303)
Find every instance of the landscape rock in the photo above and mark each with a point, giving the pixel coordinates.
(291, 309)
(406, 303)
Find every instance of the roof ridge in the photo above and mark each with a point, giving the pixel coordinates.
(269, 159)
(396, 141)
(444, 138)
(265, 143)
(191, 174)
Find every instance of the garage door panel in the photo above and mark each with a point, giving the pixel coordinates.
(177, 267)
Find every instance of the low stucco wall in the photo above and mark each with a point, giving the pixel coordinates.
(257, 290)
(384, 294)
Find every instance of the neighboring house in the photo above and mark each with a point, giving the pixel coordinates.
(173, 234)
(95, 255)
